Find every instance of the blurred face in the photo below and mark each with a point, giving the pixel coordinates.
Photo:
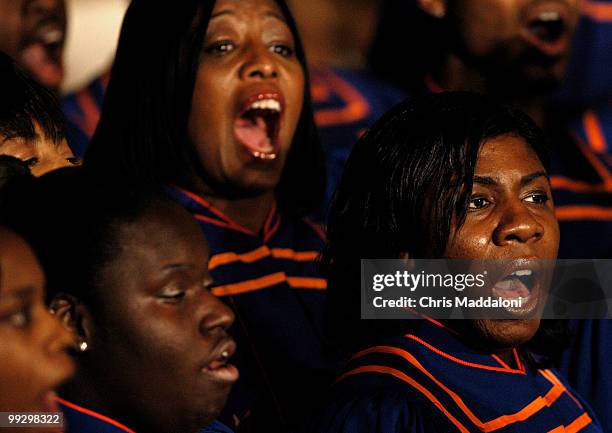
(42, 155)
(526, 42)
(248, 97)
(33, 345)
(33, 33)
(511, 218)
(160, 346)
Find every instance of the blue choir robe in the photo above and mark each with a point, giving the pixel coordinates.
(78, 419)
(430, 381)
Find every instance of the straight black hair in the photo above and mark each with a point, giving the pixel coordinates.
(25, 104)
(142, 134)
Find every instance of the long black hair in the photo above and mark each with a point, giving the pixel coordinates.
(142, 134)
(406, 179)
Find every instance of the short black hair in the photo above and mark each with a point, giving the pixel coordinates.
(72, 221)
(142, 134)
(406, 179)
(25, 104)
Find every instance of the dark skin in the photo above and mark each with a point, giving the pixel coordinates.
(33, 354)
(41, 154)
(32, 32)
(155, 331)
(248, 50)
(510, 216)
(493, 50)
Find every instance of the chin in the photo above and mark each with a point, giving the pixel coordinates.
(257, 182)
(506, 334)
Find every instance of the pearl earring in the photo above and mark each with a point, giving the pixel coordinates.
(83, 346)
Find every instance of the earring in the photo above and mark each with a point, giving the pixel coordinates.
(83, 346)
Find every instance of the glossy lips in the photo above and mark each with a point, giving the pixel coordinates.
(258, 125)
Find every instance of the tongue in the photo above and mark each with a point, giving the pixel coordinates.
(511, 288)
(253, 134)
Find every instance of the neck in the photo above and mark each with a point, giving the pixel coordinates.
(508, 357)
(455, 74)
(86, 392)
(250, 212)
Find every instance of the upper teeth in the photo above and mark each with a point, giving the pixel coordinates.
(549, 16)
(522, 273)
(266, 104)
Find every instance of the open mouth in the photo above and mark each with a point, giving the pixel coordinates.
(219, 368)
(42, 55)
(547, 28)
(258, 124)
(521, 286)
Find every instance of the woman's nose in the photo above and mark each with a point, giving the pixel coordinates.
(517, 225)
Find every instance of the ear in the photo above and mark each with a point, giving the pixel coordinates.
(75, 317)
(435, 8)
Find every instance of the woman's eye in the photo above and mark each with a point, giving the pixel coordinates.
(220, 48)
(20, 319)
(31, 162)
(73, 160)
(283, 50)
(478, 203)
(537, 198)
(173, 295)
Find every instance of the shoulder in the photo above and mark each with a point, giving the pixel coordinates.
(594, 127)
(387, 410)
(343, 96)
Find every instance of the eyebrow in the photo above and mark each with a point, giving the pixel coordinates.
(275, 15)
(172, 266)
(231, 12)
(221, 13)
(525, 180)
(21, 293)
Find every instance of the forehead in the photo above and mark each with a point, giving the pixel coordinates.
(245, 8)
(164, 234)
(507, 153)
(18, 266)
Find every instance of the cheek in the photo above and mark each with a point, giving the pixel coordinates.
(469, 242)
(21, 381)
(293, 90)
(206, 109)
(480, 36)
